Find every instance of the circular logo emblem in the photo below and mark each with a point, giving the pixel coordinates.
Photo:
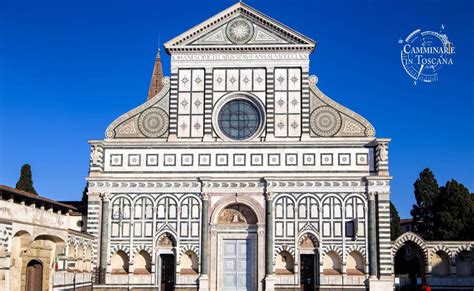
(424, 53)
(239, 30)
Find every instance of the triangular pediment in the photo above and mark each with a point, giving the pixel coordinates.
(239, 26)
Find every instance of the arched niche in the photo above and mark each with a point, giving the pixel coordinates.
(88, 260)
(355, 263)
(332, 264)
(142, 263)
(71, 250)
(22, 239)
(464, 262)
(440, 263)
(119, 263)
(284, 263)
(189, 263)
(80, 258)
(237, 214)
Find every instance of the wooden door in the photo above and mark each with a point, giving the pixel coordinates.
(307, 280)
(167, 272)
(34, 276)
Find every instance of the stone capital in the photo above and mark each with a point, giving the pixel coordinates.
(371, 195)
(204, 196)
(105, 196)
(269, 196)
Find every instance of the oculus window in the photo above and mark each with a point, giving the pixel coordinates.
(239, 119)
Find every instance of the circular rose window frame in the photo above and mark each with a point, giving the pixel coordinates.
(236, 96)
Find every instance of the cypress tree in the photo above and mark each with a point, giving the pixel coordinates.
(395, 229)
(454, 213)
(85, 197)
(426, 195)
(25, 182)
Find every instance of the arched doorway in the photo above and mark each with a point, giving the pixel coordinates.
(166, 259)
(237, 251)
(410, 266)
(34, 276)
(309, 262)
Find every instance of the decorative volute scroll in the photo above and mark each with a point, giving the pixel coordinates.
(236, 26)
(149, 120)
(328, 118)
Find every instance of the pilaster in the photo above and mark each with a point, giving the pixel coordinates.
(372, 236)
(204, 278)
(208, 100)
(104, 237)
(270, 104)
(269, 276)
(305, 104)
(173, 105)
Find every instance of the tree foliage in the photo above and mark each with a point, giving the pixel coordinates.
(442, 213)
(454, 213)
(25, 182)
(395, 229)
(426, 194)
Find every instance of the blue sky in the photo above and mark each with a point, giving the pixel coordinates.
(69, 68)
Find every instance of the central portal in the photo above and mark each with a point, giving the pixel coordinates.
(237, 265)
(236, 239)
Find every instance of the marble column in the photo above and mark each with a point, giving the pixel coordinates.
(204, 279)
(372, 235)
(104, 238)
(269, 276)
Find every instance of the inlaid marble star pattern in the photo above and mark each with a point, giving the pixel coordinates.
(281, 102)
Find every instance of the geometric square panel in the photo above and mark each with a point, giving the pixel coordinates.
(326, 160)
(152, 160)
(256, 159)
(362, 159)
(204, 159)
(239, 159)
(221, 160)
(274, 159)
(134, 160)
(309, 159)
(186, 160)
(291, 159)
(116, 160)
(169, 159)
(344, 159)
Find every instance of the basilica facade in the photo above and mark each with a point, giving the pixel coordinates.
(239, 173)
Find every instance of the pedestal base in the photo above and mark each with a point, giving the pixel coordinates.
(380, 284)
(270, 283)
(203, 283)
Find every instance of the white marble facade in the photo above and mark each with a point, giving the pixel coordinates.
(241, 161)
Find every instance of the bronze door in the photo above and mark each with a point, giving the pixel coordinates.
(307, 281)
(34, 276)
(167, 272)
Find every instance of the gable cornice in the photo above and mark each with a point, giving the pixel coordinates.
(179, 43)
